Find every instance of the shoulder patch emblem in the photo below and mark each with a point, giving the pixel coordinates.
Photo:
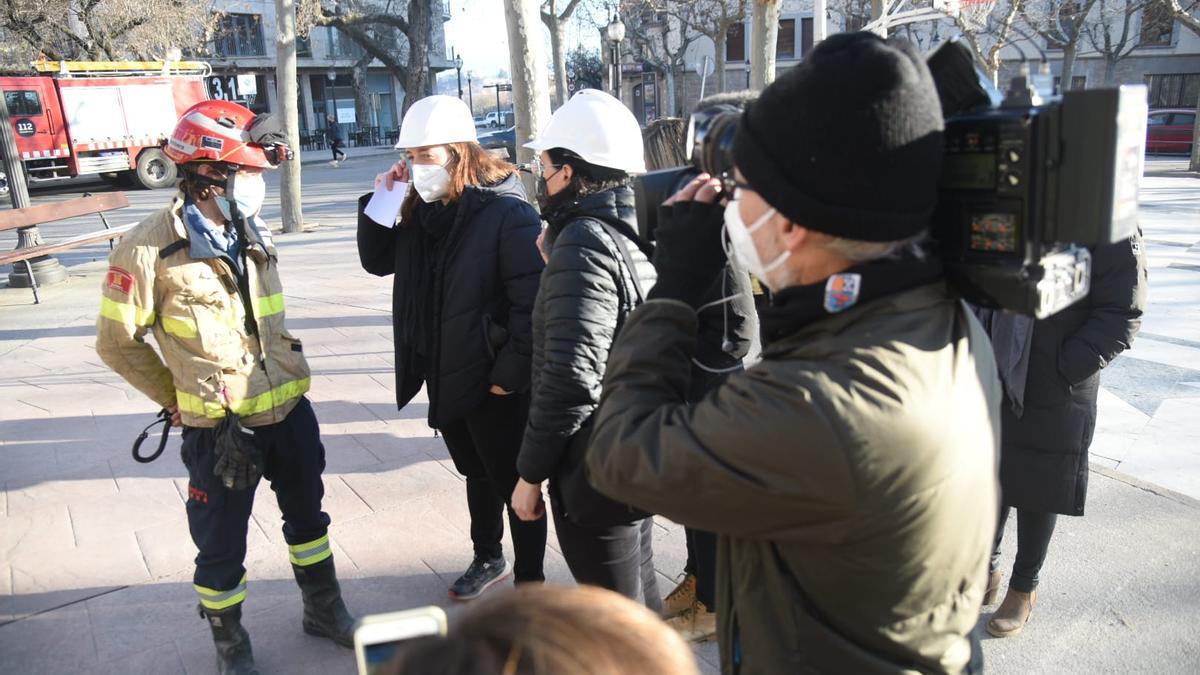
(841, 292)
(119, 280)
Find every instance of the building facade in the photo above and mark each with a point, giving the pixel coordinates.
(1163, 55)
(243, 58)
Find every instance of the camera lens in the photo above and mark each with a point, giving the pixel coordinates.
(711, 139)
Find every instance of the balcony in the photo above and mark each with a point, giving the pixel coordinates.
(445, 10)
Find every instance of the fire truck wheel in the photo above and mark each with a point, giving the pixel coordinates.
(154, 170)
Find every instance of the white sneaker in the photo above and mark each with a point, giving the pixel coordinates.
(333, 163)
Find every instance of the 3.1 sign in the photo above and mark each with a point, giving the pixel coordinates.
(26, 127)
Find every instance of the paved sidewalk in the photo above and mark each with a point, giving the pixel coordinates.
(96, 562)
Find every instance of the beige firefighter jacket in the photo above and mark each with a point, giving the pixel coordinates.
(193, 308)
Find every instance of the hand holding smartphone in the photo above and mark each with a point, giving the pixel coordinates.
(379, 636)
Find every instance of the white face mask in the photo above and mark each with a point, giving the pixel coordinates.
(743, 243)
(432, 181)
(248, 191)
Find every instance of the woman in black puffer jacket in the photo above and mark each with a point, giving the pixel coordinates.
(466, 273)
(597, 271)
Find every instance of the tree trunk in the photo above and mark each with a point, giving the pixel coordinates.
(670, 110)
(876, 13)
(680, 89)
(1110, 69)
(719, 60)
(286, 85)
(1195, 163)
(1068, 65)
(764, 34)
(418, 52)
(557, 31)
(362, 94)
(528, 64)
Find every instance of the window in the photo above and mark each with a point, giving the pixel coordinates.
(23, 103)
(239, 35)
(785, 43)
(735, 43)
(344, 47)
(1180, 90)
(303, 46)
(1158, 120)
(1157, 25)
(1183, 119)
(806, 36)
(1077, 82)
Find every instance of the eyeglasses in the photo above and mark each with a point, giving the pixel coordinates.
(730, 185)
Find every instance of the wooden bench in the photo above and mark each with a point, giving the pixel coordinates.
(14, 219)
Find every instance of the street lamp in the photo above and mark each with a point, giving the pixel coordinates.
(458, 67)
(331, 74)
(616, 33)
(470, 93)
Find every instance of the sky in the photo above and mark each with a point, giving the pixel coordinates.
(478, 32)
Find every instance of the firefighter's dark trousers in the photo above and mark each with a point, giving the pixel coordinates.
(218, 517)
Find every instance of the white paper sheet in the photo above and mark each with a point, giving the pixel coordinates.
(384, 205)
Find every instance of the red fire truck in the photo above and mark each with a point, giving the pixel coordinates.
(107, 118)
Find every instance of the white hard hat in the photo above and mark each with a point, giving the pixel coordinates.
(598, 128)
(437, 120)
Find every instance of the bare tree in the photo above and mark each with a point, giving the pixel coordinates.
(713, 19)
(95, 30)
(377, 29)
(660, 39)
(1060, 23)
(988, 38)
(1110, 30)
(557, 21)
(531, 97)
(764, 36)
(285, 82)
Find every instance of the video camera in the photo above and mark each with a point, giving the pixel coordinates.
(1026, 184)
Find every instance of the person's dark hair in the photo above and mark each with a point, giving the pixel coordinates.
(469, 164)
(586, 178)
(547, 630)
(663, 141)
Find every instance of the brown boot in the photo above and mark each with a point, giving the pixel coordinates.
(681, 599)
(1012, 614)
(993, 588)
(695, 624)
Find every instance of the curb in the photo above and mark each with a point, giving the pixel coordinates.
(1145, 486)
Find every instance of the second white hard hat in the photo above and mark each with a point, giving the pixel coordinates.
(598, 128)
(437, 120)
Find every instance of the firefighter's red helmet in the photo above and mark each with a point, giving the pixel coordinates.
(223, 131)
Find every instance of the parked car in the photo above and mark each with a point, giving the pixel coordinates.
(480, 121)
(498, 119)
(503, 139)
(1170, 130)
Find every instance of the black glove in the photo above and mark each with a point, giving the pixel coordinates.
(688, 254)
(239, 462)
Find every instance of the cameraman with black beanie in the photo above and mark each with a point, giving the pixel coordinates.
(851, 474)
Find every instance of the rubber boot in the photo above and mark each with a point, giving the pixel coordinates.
(325, 615)
(234, 656)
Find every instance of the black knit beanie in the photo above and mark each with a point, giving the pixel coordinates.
(849, 142)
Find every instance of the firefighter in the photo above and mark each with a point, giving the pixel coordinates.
(202, 276)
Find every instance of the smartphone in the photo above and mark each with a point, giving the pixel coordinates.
(378, 636)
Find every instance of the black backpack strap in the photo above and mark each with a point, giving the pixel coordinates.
(171, 248)
(623, 244)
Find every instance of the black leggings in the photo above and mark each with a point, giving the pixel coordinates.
(619, 558)
(336, 147)
(1034, 529)
(484, 447)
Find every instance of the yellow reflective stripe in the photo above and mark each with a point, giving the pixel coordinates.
(190, 403)
(181, 328)
(310, 553)
(271, 304)
(125, 313)
(218, 600)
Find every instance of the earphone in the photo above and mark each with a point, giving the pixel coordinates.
(727, 344)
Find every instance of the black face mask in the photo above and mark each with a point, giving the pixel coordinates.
(543, 190)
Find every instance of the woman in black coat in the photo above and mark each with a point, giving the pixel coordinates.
(466, 272)
(1051, 375)
(597, 271)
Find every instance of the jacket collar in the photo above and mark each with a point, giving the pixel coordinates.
(261, 243)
